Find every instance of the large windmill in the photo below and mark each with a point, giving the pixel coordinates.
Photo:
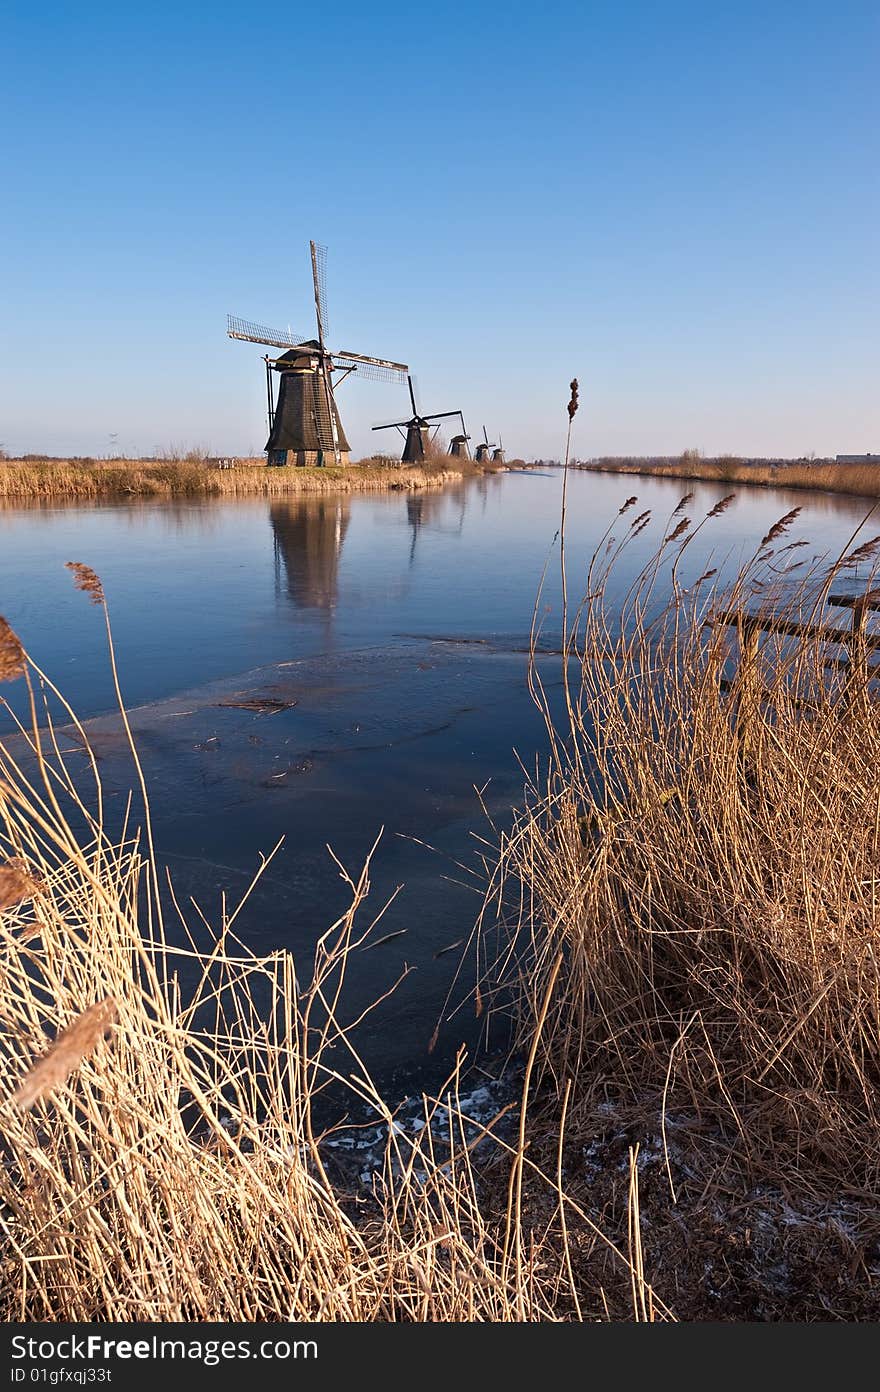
(419, 430)
(304, 423)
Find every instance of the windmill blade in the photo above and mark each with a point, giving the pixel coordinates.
(374, 369)
(392, 425)
(319, 280)
(440, 415)
(258, 333)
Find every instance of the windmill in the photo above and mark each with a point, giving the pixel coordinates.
(419, 431)
(484, 449)
(498, 451)
(304, 423)
(458, 446)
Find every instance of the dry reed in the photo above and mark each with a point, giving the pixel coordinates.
(862, 480)
(180, 1172)
(34, 480)
(704, 856)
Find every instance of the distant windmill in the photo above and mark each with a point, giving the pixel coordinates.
(484, 449)
(498, 452)
(304, 425)
(419, 431)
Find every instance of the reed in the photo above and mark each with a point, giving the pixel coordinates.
(824, 475)
(33, 480)
(162, 1156)
(702, 853)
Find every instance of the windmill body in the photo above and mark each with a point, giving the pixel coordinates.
(420, 432)
(305, 428)
(484, 449)
(301, 430)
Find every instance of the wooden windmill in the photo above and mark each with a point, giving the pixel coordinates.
(304, 423)
(484, 449)
(420, 431)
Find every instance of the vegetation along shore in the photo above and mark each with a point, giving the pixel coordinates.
(34, 478)
(826, 475)
(682, 918)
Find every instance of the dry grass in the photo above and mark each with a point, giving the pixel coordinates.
(820, 474)
(704, 858)
(22, 481)
(160, 1154)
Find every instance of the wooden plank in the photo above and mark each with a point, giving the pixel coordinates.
(768, 623)
(869, 600)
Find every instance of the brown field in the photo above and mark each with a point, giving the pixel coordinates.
(823, 474)
(34, 479)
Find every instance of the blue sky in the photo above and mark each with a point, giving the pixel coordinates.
(678, 202)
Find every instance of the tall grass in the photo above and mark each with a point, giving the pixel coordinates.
(161, 1156)
(698, 875)
(823, 474)
(69, 479)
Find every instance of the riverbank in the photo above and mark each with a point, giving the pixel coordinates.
(28, 479)
(862, 480)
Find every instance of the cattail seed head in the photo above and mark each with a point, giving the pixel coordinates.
(573, 403)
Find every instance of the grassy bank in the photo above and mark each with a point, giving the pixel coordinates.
(860, 479)
(694, 889)
(25, 480)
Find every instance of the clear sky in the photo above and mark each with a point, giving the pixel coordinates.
(678, 202)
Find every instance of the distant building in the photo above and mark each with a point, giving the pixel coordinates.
(857, 459)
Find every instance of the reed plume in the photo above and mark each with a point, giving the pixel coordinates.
(12, 659)
(66, 1053)
(721, 506)
(16, 883)
(781, 527)
(86, 580)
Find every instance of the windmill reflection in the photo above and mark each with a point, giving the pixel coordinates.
(427, 508)
(308, 537)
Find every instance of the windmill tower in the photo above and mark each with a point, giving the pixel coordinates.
(304, 423)
(419, 431)
(498, 451)
(484, 449)
(458, 447)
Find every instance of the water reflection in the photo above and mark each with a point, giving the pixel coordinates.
(308, 539)
(427, 509)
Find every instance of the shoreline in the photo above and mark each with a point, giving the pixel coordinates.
(854, 480)
(24, 480)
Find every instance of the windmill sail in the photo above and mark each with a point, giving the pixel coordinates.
(249, 332)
